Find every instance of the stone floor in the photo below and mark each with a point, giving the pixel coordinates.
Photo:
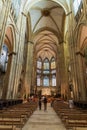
(44, 120)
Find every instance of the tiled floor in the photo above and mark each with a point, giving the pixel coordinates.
(44, 120)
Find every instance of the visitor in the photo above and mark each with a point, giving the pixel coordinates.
(45, 103)
(71, 104)
(52, 101)
(40, 103)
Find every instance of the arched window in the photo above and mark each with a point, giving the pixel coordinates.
(46, 72)
(46, 64)
(46, 81)
(4, 58)
(38, 80)
(76, 5)
(16, 4)
(53, 80)
(1, 5)
(53, 63)
(39, 63)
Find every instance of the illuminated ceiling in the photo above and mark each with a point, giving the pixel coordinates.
(47, 24)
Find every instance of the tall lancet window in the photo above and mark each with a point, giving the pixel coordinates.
(46, 81)
(38, 80)
(53, 71)
(39, 63)
(46, 71)
(76, 5)
(53, 80)
(4, 58)
(39, 69)
(53, 63)
(46, 64)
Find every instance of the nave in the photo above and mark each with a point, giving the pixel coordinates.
(58, 116)
(43, 51)
(46, 120)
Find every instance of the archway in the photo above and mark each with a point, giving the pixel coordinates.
(8, 45)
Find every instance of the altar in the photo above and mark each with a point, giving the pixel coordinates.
(46, 91)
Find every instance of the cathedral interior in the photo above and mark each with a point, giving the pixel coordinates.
(43, 49)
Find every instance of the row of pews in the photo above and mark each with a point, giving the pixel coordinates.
(15, 116)
(10, 102)
(73, 118)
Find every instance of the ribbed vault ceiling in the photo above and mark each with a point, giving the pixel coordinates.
(48, 16)
(46, 44)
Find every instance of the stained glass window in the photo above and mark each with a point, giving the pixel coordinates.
(53, 63)
(3, 58)
(46, 81)
(53, 80)
(53, 71)
(46, 71)
(39, 63)
(16, 5)
(1, 4)
(38, 71)
(38, 80)
(46, 64)
(76, 5)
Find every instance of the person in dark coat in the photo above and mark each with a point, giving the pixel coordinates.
(45, 103)
(40, 103)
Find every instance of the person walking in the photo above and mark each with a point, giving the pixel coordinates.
(40, 103)
(45, 103)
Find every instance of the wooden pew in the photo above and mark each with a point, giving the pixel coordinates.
(16, 116)
(77, 120)
(74, 119)
(7, 127)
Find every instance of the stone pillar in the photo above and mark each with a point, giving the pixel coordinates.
(58, 75)
(20, 41)
(74, 67)
(33, 78)
(34, 82)
(64, 90)
(11, 78)
(81, 85)
(29, 68)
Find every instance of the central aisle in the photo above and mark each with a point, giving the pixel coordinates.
(44, 120)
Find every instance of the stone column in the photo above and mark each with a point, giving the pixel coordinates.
(11, 78)
(62, 72)
(58, 79)
(34, 75)
(29, 67)
(19, 49)
(74, 67)
(81, 85)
